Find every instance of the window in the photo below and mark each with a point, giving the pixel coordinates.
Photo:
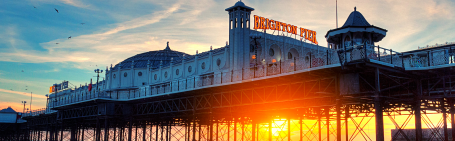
(190, 69)
(177, 72)
(155, 77)
(271, 52)
(289, 55)
(114, 76)
(165, 74)
(347, 41)
(125, 74)
(357, 40)
(203, 65)
(139, 74)
(218, 62)
(252, 48)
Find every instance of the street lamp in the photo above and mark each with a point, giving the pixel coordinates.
(254, 37)
(23, 111)
(47, 101)
(98, 71)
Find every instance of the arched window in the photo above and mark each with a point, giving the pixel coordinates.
(347, 41)
(357, 40)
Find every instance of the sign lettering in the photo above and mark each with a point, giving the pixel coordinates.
(265, 23)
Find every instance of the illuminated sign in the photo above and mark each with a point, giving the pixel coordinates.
(265, 23)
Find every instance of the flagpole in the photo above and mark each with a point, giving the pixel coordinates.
(31, 98)
(336, 9)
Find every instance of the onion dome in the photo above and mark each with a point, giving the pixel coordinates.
(155, 57)
(355, 23)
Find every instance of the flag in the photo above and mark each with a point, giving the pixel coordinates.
(90, 85)
(51, 89)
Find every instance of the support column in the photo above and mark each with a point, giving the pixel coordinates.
(82, 136)
(156, 132)
(452, 113)
(253, 130)
(194, 129)
(327, 113)
(270, 130)
(98, 129)
(217, 130)
(106, 129)
(417, 114)
(289, 129)
(338, 110)
(62, 129)
(73, 133)
(444, 117)
(144, 131)
(301, 128)
(378, 109)
(130, 129)
(319, 125)
(235, 130)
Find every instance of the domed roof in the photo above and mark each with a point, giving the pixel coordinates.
(7, 110)
(241, 5)
(155, 57)
(356, 19)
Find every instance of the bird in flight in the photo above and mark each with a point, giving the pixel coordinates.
(82, 23)
(56, 43)
(69, 37)
(22, 70)
(34, 7)
(25, 89)
(11, 89)
(56, 9)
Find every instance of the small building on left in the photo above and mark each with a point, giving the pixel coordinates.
(10, 123)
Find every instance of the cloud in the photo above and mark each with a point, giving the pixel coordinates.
(22, 93)
(196, 25)
(75, 3)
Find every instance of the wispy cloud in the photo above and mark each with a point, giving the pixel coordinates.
(75, 3)
(22, 93)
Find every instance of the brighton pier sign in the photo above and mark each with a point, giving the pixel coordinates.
(265, 23)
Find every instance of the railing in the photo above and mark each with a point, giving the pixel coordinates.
(429, 58)
(38, 112)
(365, 52)
(311, 59)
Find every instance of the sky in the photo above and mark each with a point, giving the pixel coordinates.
(31, 60)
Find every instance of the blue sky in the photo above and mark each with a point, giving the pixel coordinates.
(115, 30)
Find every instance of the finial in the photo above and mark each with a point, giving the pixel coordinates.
(167, 47)
(196, 52)
(210, 48)
(148, 62)
(172, 59)
(111, 66)
(226, 43)
(355, 9)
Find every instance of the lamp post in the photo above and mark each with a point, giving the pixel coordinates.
(31, 98)
(255, 56)
(23, 111)
(97, 71)
(47, 102)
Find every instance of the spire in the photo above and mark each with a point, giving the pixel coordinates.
(355, 8)
(167, 47)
